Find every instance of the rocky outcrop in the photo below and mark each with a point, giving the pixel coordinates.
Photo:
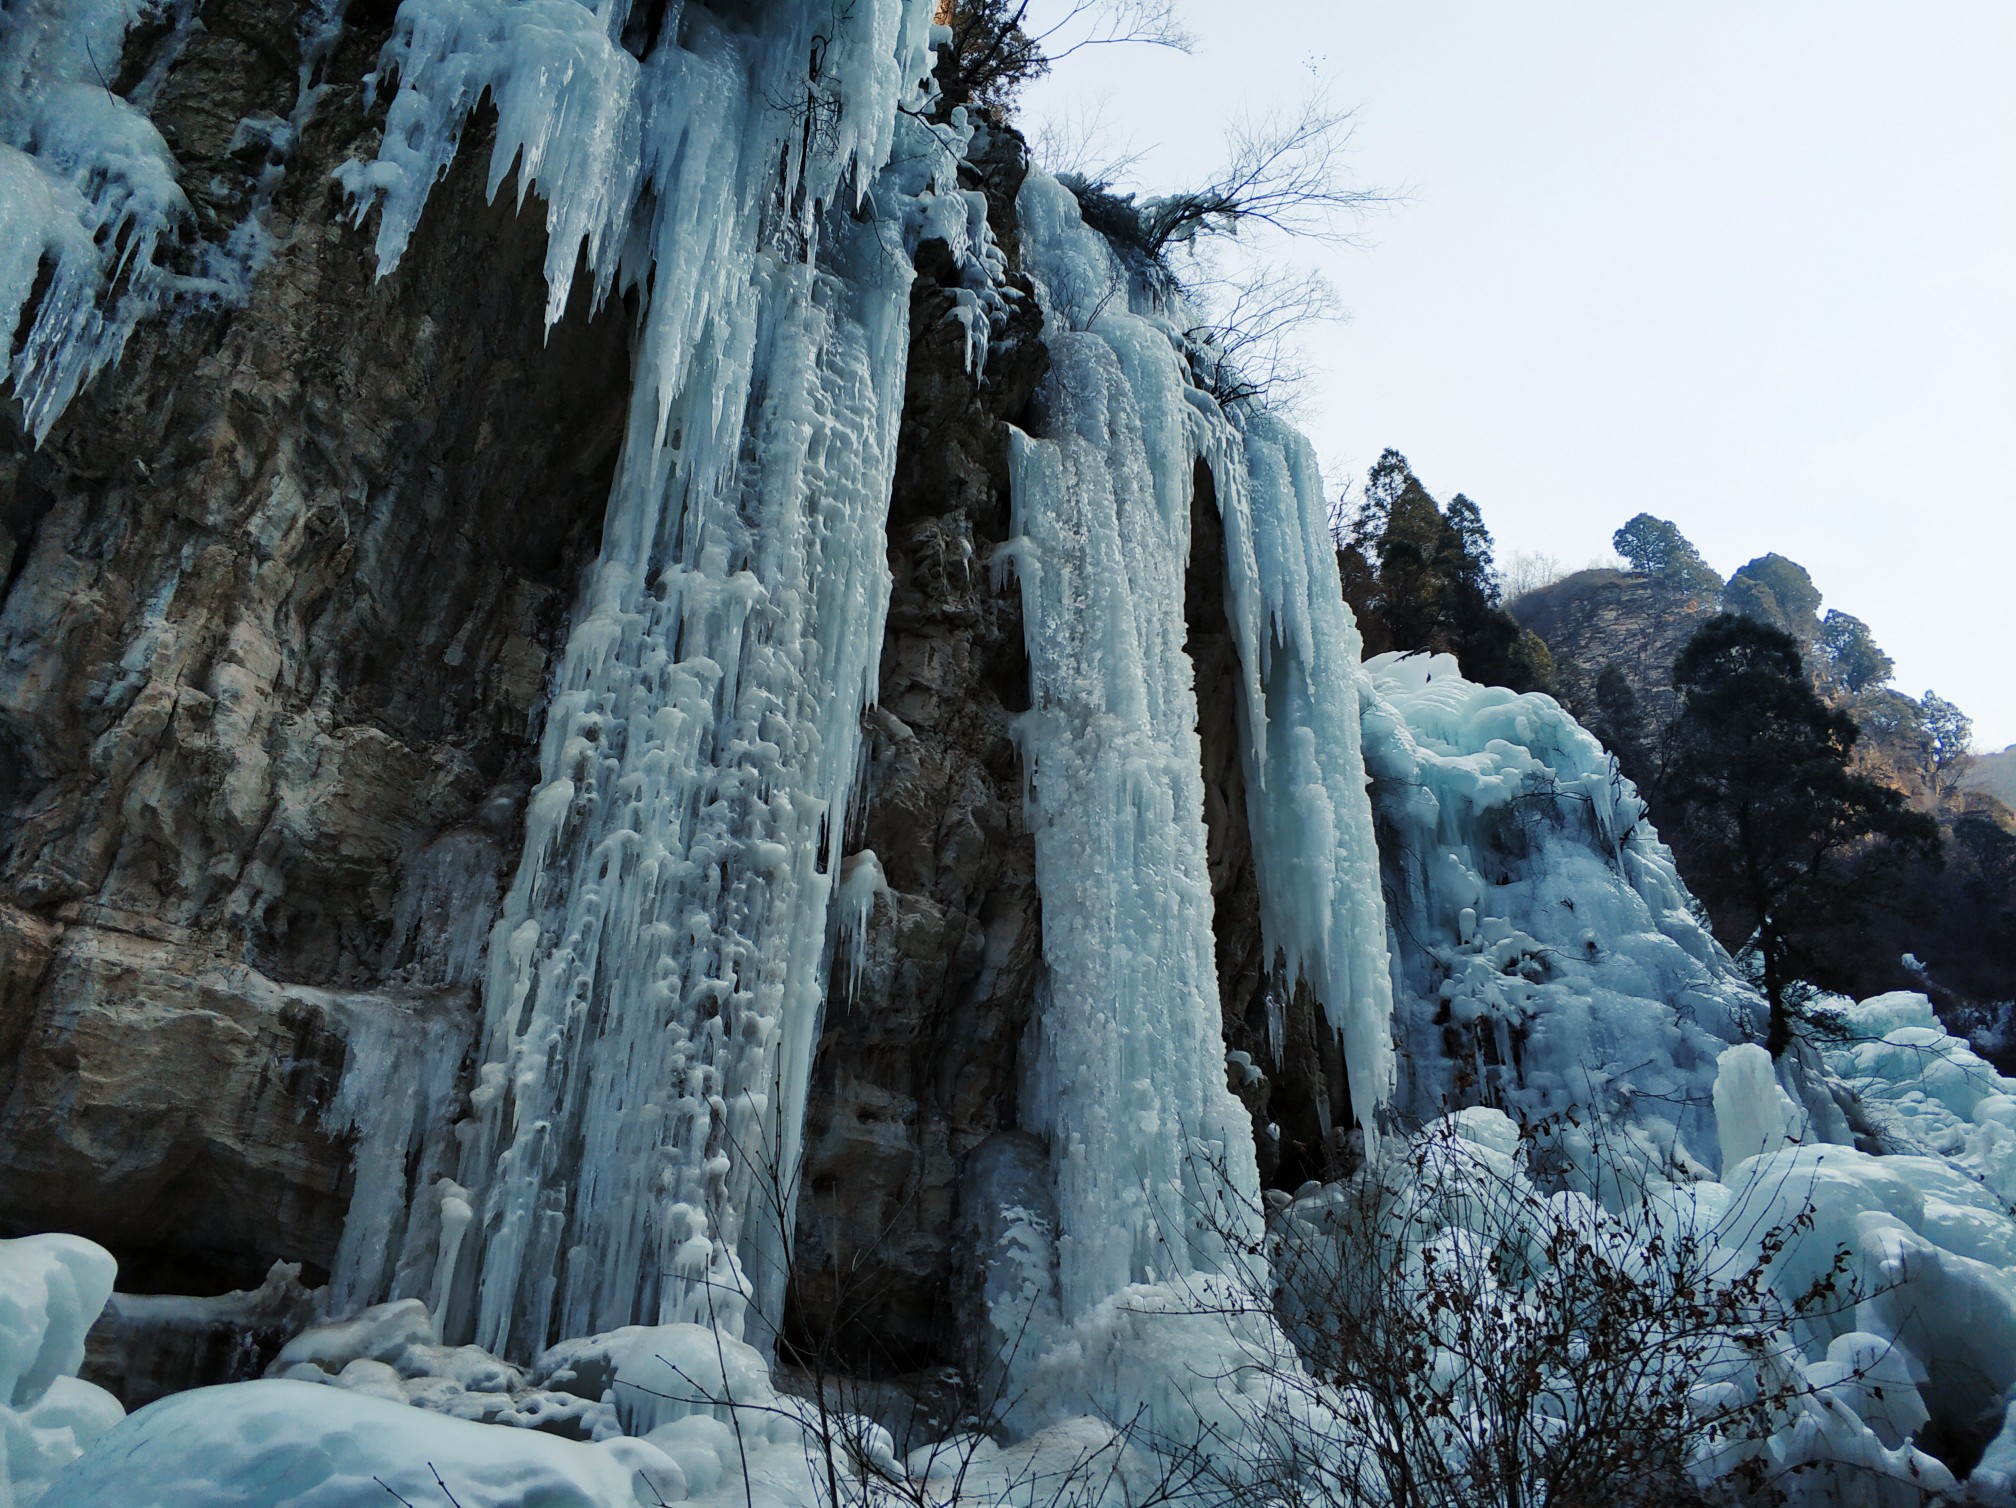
(1595, 619)
(280, 596)
(917, 1063)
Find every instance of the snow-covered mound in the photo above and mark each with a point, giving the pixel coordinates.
(1546, 956)
(51, 1290)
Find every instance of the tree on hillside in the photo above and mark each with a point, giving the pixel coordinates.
(1780, 840)
(1618, 720)
(1420, 577)
(993, 51)
(1945, 734)
(1850, 652)
(1773, 589)
(1656, 548)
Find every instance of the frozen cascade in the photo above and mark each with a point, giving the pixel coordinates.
(655, 977)
(90, 195)
(1546, 954)
(1152, 1155)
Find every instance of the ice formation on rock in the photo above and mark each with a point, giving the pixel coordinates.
(1153, 1156)
(87, 187)
(655, 978)
(619, 1201)
(1546, 958)
(1545, 953)
(90, 196)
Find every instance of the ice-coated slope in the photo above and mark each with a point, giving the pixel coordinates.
(1545, 954)
(1547, 960)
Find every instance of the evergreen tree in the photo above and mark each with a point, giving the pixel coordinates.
(1656, 548)
(1388, 478)
(1773, 589)
(1850, 652)
(1781, 841)
(988, 56)
(1475, 571)
(1619, 721)
(1944, 737)
(1420, 577)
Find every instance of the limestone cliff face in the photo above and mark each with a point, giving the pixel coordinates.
(280, 594)
(1595, 619)
(918, 1060)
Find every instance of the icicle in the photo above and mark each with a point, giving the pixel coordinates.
(86, 183)
(862, 883)
(655, 979)
(90, 197)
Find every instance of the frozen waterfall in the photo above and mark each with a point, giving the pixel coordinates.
(655, 978)
(1153, 1156)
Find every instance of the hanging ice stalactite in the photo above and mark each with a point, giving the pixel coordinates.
(1131, 1080)
(655, 978)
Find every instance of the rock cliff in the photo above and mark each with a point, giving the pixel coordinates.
(281, 591)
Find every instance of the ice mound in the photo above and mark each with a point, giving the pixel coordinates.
(257, 1444)
(51, 1291)
(1546, 956)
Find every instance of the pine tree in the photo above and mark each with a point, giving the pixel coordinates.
(1420, 577)
(1655, 547)
(1773, 589)
(1779, 839)
(1850, 652)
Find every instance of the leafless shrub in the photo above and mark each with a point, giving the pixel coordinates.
(1529, 571)
(1247, 346)
(1453, 1337)
(1285, 171)
(997, 46)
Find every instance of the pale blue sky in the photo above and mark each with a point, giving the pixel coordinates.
(1748, 266)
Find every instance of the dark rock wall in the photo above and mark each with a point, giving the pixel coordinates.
(280, 597)
(918, 1060)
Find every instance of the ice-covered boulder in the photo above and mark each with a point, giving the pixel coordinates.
(257, 1444)
(51, 1290)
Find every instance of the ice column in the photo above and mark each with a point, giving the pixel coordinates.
(655, 978)
(1147, 1142)
(1314, 850)
(1130, 1079)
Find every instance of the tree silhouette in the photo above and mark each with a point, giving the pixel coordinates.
(1851, 653)
(1783, 843)
(1421, 577)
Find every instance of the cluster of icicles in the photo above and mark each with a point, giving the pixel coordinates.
(656, 978)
